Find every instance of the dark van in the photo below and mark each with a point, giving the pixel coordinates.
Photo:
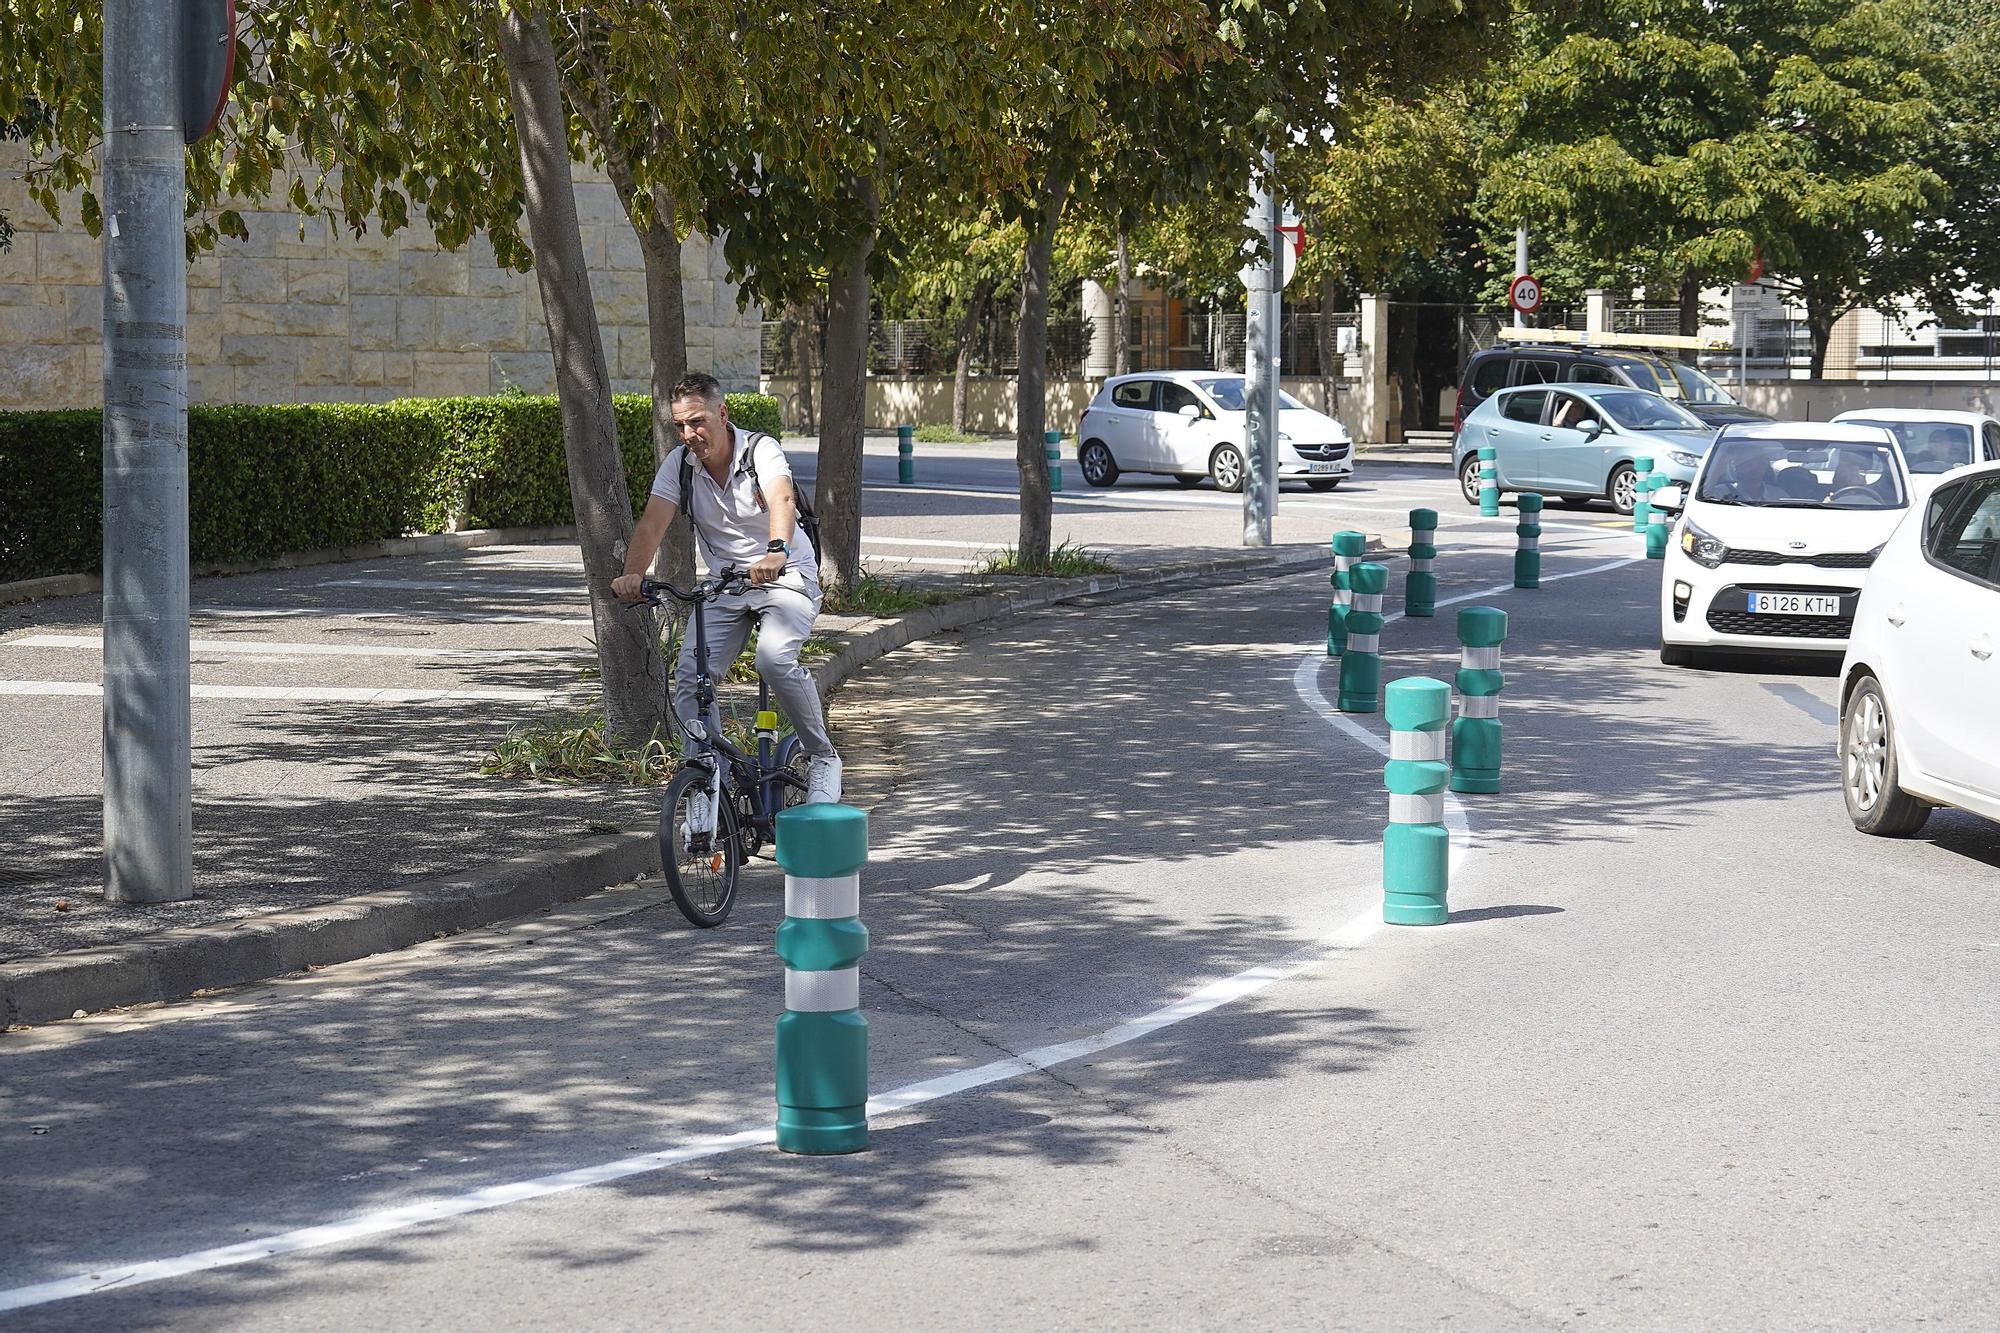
(1509, 363)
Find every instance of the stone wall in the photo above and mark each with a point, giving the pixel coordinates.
(317, 315)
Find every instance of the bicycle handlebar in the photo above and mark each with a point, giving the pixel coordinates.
(728, 581)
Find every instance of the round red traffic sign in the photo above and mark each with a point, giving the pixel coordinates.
(1525, 294)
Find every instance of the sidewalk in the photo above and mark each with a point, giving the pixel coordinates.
(339, 718)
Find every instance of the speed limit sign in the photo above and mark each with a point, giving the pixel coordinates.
(1525, 294)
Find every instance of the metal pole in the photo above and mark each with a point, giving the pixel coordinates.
(1260, 366)
(148, 835)
(1520, 266)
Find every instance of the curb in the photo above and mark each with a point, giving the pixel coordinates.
(430, 543)
(175, 964)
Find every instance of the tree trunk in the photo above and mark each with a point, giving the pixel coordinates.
(1329, 295)
(1821, 316)
(968, 329)
(805, 361)
(628, 649)
(1690, 301)
(1032, 378)
(1121, 311)
(844, 400)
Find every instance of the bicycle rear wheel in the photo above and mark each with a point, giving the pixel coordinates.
(701, 865)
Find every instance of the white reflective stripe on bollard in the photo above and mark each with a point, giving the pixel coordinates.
(1479, 705)
(1531, 541)
(1367, 601)
(823, 899)
(823, 992)
(1424, 808)
(1420, 564)
(1480, 659)
(1422, 746)
(1364, 643)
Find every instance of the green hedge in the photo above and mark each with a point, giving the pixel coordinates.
(263, 481)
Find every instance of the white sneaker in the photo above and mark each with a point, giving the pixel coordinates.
(823, 778)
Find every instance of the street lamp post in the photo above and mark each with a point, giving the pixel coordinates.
(1265, 282)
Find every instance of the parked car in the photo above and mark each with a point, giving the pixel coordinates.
(1578, 441)
(1919, 722)
(1774, 539)
(1190, 424)
(1510, 364)
(1934, 442)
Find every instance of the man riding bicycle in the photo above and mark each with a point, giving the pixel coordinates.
(746, 516)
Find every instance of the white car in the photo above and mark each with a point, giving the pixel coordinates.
(1920, 686)
(1934, 441)
(1190, 424)
(1774, 538)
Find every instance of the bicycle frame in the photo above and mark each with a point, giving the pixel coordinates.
(766, 798)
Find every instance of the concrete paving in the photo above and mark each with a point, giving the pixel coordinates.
(1692, 1053)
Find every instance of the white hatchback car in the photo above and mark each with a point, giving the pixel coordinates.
(1190, 424)
(1920, 686)
(1775, 536)
(1934, 441)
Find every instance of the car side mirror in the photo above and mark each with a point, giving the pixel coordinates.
(1668, 499)
(1591, 427)
(1192, 411)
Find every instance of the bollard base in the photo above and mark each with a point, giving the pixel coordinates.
(1416, 912)
(1476, 783)
(1359, 703)
(819, 1132)
(1336, 629)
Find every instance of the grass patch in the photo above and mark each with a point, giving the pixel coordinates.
(573, 750)
(874, 596)
(946, 435)
(1064, 562)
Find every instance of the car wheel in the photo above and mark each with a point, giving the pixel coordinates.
(1187, 482)
(1875, 802)
(1098, 466)
(1623, 489)
(1468, 478)
(1225, 465)
(1323, 483)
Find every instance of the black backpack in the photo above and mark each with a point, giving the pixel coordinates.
(807, 519)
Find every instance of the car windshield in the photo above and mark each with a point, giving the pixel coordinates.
(1645, 411)
(1648, 374)
(1928, 446)
(1228, 394)
(1802, 474)
(1699, 388)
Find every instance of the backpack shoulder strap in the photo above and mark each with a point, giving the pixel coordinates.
(687, 481)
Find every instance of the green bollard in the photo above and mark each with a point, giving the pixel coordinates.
(1420, 587)
(1416, 850)
(1361, 664)
(1656, 521)
(1642, 471)
(822, 1038)
(1052, 449)
(906, 455)
(1348, 548)
(1475, 732)
(1489, 481)
(1528, 555)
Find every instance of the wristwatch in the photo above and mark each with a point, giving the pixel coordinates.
(779, 548)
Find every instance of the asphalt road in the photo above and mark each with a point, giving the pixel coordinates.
(1691, 1054)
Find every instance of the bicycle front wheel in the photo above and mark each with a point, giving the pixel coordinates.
(699, 849)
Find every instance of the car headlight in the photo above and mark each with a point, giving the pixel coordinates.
(1284, 438)
(1680, 459)
(1702, 548)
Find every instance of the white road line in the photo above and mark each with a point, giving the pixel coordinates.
(263, 648)
(1357, 931)
(941, 561)
(460, 585)
(867, 541)
(298, 694)
(378, 613)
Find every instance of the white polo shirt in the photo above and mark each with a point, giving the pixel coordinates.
(732, 523)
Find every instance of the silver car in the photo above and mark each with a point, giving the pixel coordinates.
(1577, 442)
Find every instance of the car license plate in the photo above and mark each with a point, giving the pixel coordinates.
(1793, 604)
(1323, 467)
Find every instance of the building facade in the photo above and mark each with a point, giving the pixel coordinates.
(304, 312)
